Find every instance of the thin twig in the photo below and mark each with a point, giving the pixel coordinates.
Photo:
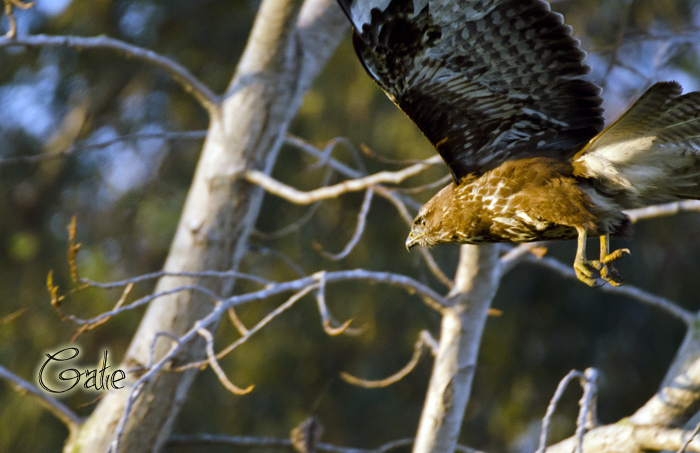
(430, 186)
(323, 157)
(291, 228)
(685, 445)
(359, 229)
(331, 145)
(120, 302)
(394, 199)
(546, 421)
(214, 364)
(57, 408)
(152, 350)
(160, 274)
(276, 253)
(140, 302)
(236, 321)
(297, 224)
(614, 59)
(325, 314)
(425, 341)
(367, 151)
(191, 84)
(85, 146)
(587, 417)
(257, 327)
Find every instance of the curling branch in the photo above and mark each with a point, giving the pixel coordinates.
(214, 364)
(425, 341)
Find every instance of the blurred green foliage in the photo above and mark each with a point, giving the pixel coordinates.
(127, 199)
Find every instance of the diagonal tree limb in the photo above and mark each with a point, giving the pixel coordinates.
(293, 195)
(191, 84)
(56, 407)
(635, 293)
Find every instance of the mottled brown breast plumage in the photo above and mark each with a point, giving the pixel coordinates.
(524, 200)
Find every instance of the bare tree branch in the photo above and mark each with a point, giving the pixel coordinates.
(161, 274)
(250, 441)
(191, 84)
(663, 210)
(359, 229)
(214, 364)
(266, 320)
(293, 195)
(83, 146)
(57, 408)
(692, 436)
(325, 314)
(323, 157)
(586, 419)
(425, 341)
(629, 438)
(627, 290)
(678, 398)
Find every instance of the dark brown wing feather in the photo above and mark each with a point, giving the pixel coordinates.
(486, 81)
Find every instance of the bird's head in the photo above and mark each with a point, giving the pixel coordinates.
(435, 223)
(420, 232)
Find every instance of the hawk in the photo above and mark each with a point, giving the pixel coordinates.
(496, 87)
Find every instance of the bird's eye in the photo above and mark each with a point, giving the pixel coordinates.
(422, 222)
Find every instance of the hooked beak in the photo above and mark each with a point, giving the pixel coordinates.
(412, 240)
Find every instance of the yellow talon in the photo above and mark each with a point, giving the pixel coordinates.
(607, 271)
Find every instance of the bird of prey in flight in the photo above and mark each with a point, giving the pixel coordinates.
(496, 87)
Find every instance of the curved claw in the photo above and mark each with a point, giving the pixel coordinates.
(615, 255)
(608, 271)
(586, 271)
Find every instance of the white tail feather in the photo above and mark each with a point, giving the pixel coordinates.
(652, 153)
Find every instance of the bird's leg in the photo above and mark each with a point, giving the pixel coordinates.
(607, 271)
(585, 269)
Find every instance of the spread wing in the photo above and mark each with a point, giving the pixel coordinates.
(485, 80)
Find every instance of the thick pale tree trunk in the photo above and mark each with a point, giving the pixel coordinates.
(288, 46)
(463, 322)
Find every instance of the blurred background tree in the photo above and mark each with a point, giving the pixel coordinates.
(128, 197)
